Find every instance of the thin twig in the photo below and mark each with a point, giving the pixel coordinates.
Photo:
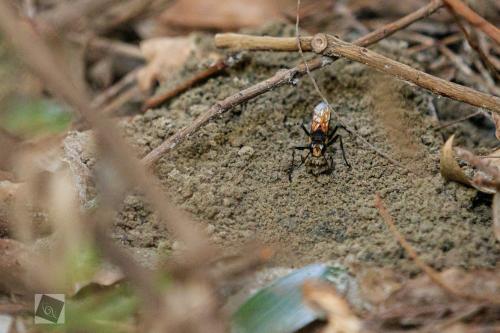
(433, 275)
(474, 44)
(459, 120)
(282, 77)
(107, 45)
(206, 73)
(452, 39)
(111, 92)
(332, 46)
(458, 62)
(475, 19)
(121, 99)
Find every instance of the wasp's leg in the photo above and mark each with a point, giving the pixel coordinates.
(329, 164)
(305, 129)
(292, 165)
(334, 131)
(332, 141)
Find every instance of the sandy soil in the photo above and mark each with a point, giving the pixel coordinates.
(232, 175)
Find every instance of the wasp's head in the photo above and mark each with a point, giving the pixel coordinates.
(317, 149)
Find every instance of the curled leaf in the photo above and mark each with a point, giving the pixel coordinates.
(340, 317)
(448, 165)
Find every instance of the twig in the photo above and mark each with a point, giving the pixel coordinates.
(475, 19)
(474, 44)
(107, 45)
(433, 275)
(280, 78)
(445, 41)
(120, 100)
(261, 43)
(332, 46)
(163, 97)
(458, 62)
(453, 122)
(106, 95)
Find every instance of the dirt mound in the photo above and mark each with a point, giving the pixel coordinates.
(232, 174)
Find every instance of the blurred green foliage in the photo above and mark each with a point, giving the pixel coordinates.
(32, 117)
(27, 116)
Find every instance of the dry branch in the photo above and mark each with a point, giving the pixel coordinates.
(475, 19)
(333, 47)
(161, 98)
(283, 77)
(261, 43)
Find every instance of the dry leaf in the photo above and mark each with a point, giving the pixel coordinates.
(448, 165)
(496, 216)
(450, 169)
(221, 14)
(163, 55)
(377, 284)
(421, 302)
(496, 120)
(341, 318)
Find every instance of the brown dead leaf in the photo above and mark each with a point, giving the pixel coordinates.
(163, 55)
(448, 165)
(341, 318)
(450, 169)
(496, 216)
(496, 120)
(377, 284)
(221, 14)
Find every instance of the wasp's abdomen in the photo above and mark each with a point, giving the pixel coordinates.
(321, 118)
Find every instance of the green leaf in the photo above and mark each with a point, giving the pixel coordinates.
(279, 307)
(33, 117)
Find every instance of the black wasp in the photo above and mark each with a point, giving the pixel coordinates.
(320, 138)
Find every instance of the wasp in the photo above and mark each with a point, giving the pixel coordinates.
(320, 138)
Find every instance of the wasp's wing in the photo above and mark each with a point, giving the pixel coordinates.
(321, 118)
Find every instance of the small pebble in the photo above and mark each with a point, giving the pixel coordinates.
(245, 151)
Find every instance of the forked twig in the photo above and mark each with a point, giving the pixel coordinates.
(280, 78)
